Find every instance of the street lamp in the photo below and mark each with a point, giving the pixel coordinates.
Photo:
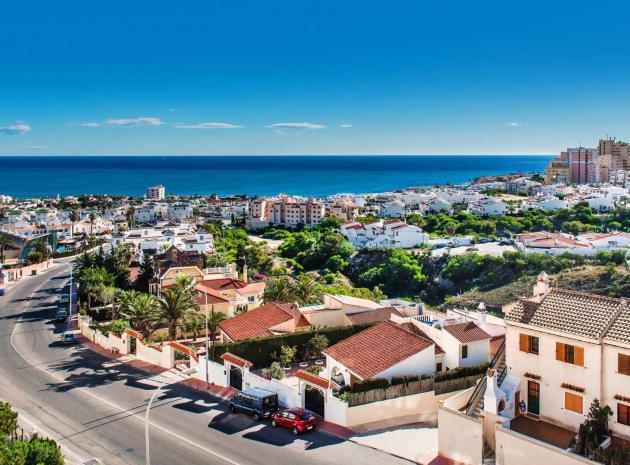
(146, 418)
(207, 354)
(70, 296)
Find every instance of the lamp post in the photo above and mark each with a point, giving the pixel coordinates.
(207, 353)
(146, 426)
(70, 297)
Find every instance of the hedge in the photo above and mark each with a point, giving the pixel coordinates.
(258, 351)
(406, 379)
(461, 372)
(369, 384)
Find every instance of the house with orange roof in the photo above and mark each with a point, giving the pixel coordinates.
(382, 351)
(269, 320)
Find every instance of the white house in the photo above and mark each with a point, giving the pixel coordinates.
(393, 209)
(382, 351)
(179, 211)
(465, 344)
(488, 206)
(544, 202)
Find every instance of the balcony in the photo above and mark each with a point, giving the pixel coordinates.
(542, 431)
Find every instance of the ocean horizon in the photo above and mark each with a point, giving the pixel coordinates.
(307, 175)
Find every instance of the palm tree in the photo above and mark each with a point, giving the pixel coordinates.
(214, 319)
(74, 217)
(92, 220)
(174, 308)
(92, 282)
(185, 283)
(140, 309)
(279, 291)
(40, 245)
(5, 243)
(194, 324)
(304, 291)
(129, 216)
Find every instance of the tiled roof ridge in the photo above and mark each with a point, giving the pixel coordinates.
(585, 294)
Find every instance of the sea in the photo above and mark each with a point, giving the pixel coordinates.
(311, 176)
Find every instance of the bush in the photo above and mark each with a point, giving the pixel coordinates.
(344, 388)
(370, 384)
(274, 371)
(258, 351)
(43, 451)
(461, 372)
(405, 379)
(315, 369)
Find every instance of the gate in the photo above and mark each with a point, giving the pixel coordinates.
(236, 378)
(132, 345)
(314, 400)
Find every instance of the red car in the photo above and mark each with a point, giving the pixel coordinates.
(297, 419)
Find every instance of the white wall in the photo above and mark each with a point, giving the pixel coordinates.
(287, 395)
(119, 343)
(420, 363)
(516, 449)
(460, 437)
(478, 353)
(554, 373)
(614, 383)
(424, 406)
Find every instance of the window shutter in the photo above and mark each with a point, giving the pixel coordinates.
(578, 356)
(522, 342)
(624, 364)
(623, 414)
(573, 402)
(560, 351)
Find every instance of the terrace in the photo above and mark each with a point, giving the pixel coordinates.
(542, 431)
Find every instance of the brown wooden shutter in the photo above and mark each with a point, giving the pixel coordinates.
(573, 402)
(522, 342)
(560, 351)
(623, 414)
(578, 356)
(624, 364)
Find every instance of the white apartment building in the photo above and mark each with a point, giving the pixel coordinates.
(544, 202)
(393, 233)
(155, 192)
(488, 206)
(179, 211)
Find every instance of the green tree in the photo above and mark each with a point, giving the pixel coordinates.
(74, 218)
(43, 452)
(174, 308)
(92, 220)
(6, 242)
(214, 318)
(140, 309)
(278, 291)
(304, 291)
(92, 281)
(146, 273)
(8, 420)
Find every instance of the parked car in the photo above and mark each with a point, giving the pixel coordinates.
(3, 292)
(68, 338)
(504, 242)
(297, 420)
(257, 402)
(64, 298)
(484, 240)
(61, 316)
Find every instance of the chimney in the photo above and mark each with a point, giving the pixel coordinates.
(482, 314)
(541, 288)
(245, 274)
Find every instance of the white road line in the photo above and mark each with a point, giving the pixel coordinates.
(133, 415)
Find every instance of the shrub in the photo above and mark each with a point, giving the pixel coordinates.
(330, 278)
(345, 388)
(461, 372)
(274, 371)
(405, 379)
(343, 396)
(370, 384)
(315, 369)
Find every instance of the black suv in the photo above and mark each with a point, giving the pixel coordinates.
(62, 315)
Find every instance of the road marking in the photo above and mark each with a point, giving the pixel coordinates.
(132, 415)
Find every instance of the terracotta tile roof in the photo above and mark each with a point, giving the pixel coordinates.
(259, 321)
(223, 284)
(411, 327)
(132, 333)
(495, 344)
(310, 378)
(571, 312)
(368, 315)
(251, 288)
(236, 360)
(134, 272)
(467, 332)
(620, 329)
(214, 297)
(378, 348)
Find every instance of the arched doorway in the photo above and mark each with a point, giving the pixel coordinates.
(236, 377)
(314, 400)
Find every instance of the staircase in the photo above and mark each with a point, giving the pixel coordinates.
(475, 404)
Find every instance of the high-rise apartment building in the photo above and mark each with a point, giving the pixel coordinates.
(155, 192)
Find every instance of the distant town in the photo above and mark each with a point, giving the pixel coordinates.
(479, 306)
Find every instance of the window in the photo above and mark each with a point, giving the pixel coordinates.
(623, 414)
(529, 344)
(247, 400)
(624, 364)
(438, 367)
(464, 351)
(573, 402)
(570, 354)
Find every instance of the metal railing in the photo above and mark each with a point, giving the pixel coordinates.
(481, 386)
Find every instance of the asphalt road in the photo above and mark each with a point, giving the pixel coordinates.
(95, 407)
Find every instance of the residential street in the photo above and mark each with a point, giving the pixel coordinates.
(95, 407)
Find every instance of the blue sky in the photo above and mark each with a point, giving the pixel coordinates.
(286, 77)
